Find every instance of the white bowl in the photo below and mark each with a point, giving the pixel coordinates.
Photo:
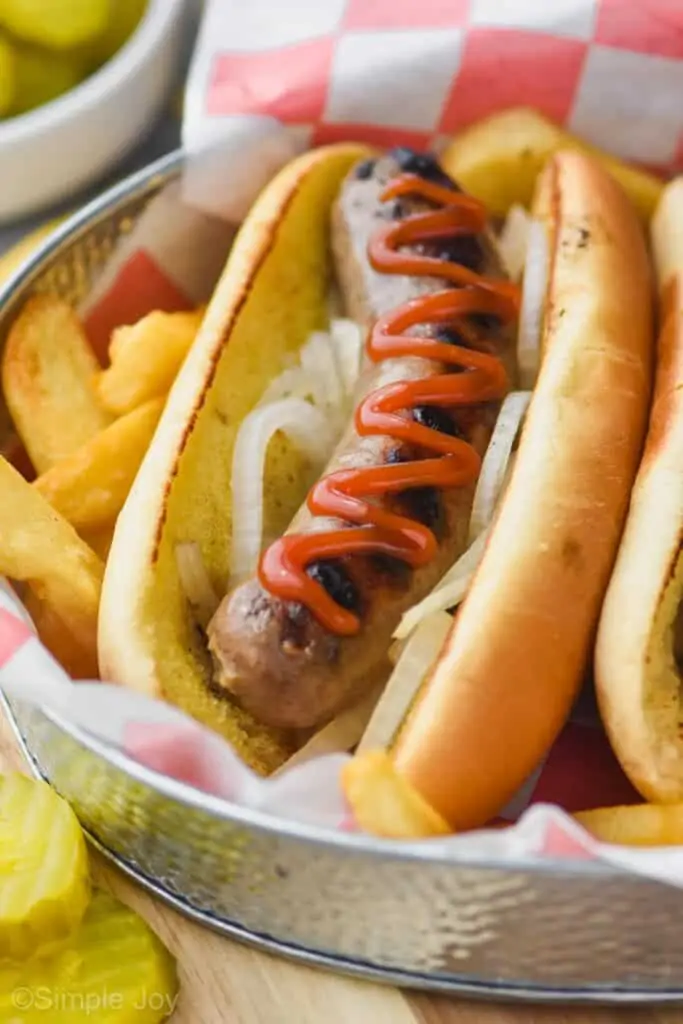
(53, 151)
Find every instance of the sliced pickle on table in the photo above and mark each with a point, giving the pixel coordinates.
(44, 876)
(113, 970)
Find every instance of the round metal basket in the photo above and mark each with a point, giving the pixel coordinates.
(528, 930)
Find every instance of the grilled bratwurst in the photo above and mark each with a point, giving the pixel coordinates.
(276, 656)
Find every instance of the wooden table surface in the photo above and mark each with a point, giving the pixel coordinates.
(225, 983)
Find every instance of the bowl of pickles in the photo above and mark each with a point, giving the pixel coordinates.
(81, 81)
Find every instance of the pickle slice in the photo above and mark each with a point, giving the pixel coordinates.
(57, 24)
(124, 18)
(8, 83)
(41, 76)
(44, 871)
(114, 971)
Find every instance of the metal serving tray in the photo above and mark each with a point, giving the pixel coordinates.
(524, 930)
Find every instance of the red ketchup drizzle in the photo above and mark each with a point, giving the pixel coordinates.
(282, 569)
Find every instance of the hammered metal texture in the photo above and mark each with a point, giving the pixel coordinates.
(528, 927)
(72, 271)
(546, 930)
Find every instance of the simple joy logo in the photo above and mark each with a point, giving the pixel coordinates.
(58, 1000)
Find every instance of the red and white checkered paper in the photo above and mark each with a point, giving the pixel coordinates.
(270, 79)
(278, 77)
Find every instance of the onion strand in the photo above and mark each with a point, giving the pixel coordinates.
(195, 582)
(308, 428)
(308, 402)
(513, 240)
(405, 681)
(338, 736)
(494, 468)
(531, 314)
(448, 593)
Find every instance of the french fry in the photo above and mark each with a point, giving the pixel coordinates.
(99, 539)
(39, 547)
(79, 660)
(47, 378)
(89, 487)
(638, 825)
(498, 160)
(145, 359)
(384, 804)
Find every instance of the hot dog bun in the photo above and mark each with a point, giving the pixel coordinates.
(272, 295)
(638, 677)
(514, 662)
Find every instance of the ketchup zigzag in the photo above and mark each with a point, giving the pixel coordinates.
(282, 569)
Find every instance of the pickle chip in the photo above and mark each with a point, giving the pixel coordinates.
(124, 18)
(44, 871)
(57, 24)
(114, 971)
(42, 75)
(7, 77)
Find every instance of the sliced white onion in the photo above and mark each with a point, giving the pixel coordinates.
(328, 369)
(195, 582)
(308, 428)
(338, 736)
(292, 383)
(495, 465)
(347, 340)
(536, 268)
(495, 471)
(513, 240)
(448, 593)
(318, 361)
(405, 681)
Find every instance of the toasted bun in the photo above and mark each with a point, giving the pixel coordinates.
(273, 293)
(514, 662)
(638, 674)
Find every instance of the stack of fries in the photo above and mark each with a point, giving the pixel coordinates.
(83, 431)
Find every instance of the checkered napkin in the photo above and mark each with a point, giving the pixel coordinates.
(268, 80)
(415, 71)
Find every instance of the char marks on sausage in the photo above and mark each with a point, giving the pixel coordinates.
(272, 656)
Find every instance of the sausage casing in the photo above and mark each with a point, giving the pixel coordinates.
(273, 656)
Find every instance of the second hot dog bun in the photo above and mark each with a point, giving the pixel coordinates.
(637, 664)
(513, 664)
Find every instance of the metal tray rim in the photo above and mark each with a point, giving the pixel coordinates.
(477, 989)
(320, 836)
